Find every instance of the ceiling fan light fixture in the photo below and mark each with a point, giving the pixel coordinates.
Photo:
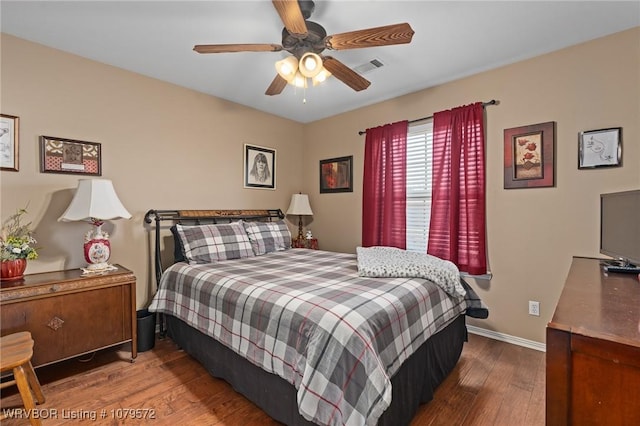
(310, 64)
(287, 68)
(306, 40)
(299, 80)
(321, 77)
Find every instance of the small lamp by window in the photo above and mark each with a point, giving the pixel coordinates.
(95, 201)
(300, 206)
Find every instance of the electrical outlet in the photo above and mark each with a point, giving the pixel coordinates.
(534, 308)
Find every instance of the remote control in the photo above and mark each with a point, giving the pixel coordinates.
(623, 269)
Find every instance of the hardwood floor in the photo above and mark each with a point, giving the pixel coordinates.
(495, 383)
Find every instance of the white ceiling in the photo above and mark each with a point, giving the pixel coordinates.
(452, 39)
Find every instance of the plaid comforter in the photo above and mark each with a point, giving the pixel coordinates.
(308, 317)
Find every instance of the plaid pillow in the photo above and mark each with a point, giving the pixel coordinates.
(211, 243)
(178, 249)
(267, 237)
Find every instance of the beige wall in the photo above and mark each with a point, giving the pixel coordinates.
(532, 233)
(164, 147)
(149, 128)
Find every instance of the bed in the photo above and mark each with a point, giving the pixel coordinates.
(302, 333)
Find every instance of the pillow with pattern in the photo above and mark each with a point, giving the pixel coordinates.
(214, 242)
(267, 237)
(178, 249)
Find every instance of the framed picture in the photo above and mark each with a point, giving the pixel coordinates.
(336, 175)
(529, 156)
(58, 155)
(600, 148)
(259, 167)
(9, 142)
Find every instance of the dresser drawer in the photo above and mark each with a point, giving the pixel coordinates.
(71, 318)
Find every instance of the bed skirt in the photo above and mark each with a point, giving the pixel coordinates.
(413, 384)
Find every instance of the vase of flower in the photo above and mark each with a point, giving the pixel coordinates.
(16, 247)
(13, 270)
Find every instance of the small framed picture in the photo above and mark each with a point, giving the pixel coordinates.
(259, 167)
(9, 142)
(600, 148)
(529, 156)
(58, 155)
(336, 175)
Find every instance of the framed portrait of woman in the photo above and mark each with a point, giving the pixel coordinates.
(259, 167)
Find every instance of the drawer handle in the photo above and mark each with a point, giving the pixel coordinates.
(55, 323)
(54, 288)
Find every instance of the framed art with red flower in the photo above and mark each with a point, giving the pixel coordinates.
(529, 156)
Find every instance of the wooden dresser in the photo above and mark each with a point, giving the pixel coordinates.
(593, 349)
(70, 315)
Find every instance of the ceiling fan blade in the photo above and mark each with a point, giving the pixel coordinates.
(371, 37)
(291, 16)
(227, 48)
(345, 74)
(277, 86)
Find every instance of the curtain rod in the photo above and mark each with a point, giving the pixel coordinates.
(484, 104)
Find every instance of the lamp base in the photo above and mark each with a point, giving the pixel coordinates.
(97, 248)
(92, 269)
(300, 235)
(98, 267)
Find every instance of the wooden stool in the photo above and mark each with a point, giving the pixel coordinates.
(16, 351)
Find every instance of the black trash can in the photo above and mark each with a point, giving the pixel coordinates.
(146, 330)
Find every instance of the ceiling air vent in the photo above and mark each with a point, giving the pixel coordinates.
(368, 66)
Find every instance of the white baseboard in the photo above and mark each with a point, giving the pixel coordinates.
(507, 338)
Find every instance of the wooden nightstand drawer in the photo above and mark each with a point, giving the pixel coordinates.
(310, 243)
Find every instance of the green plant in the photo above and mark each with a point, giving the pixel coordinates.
(16, 238)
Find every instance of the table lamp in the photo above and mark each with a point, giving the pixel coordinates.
(300, 206)
(95, 201)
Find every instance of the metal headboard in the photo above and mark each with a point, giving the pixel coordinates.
(198, 217)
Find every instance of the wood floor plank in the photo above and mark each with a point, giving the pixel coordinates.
(535, 408)
(519, 391)
(494, 383)
(485, 408)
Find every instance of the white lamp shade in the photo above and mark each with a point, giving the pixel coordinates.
(299, 80)
(95, 199)
(321, 77)
(310, 64)
(300, 205)
(287, 68)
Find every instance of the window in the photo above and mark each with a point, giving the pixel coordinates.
(419, 188)
(419, 149)
(433, 198)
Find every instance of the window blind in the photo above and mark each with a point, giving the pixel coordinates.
(419, 184)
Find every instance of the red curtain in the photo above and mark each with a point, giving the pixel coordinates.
(384, 189)
(457, 230)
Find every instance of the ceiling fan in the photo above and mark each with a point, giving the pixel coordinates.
(303, 38)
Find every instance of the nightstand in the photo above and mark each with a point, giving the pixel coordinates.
(305, 243)
(69, 314)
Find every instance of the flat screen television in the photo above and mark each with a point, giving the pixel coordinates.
(620, 226)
